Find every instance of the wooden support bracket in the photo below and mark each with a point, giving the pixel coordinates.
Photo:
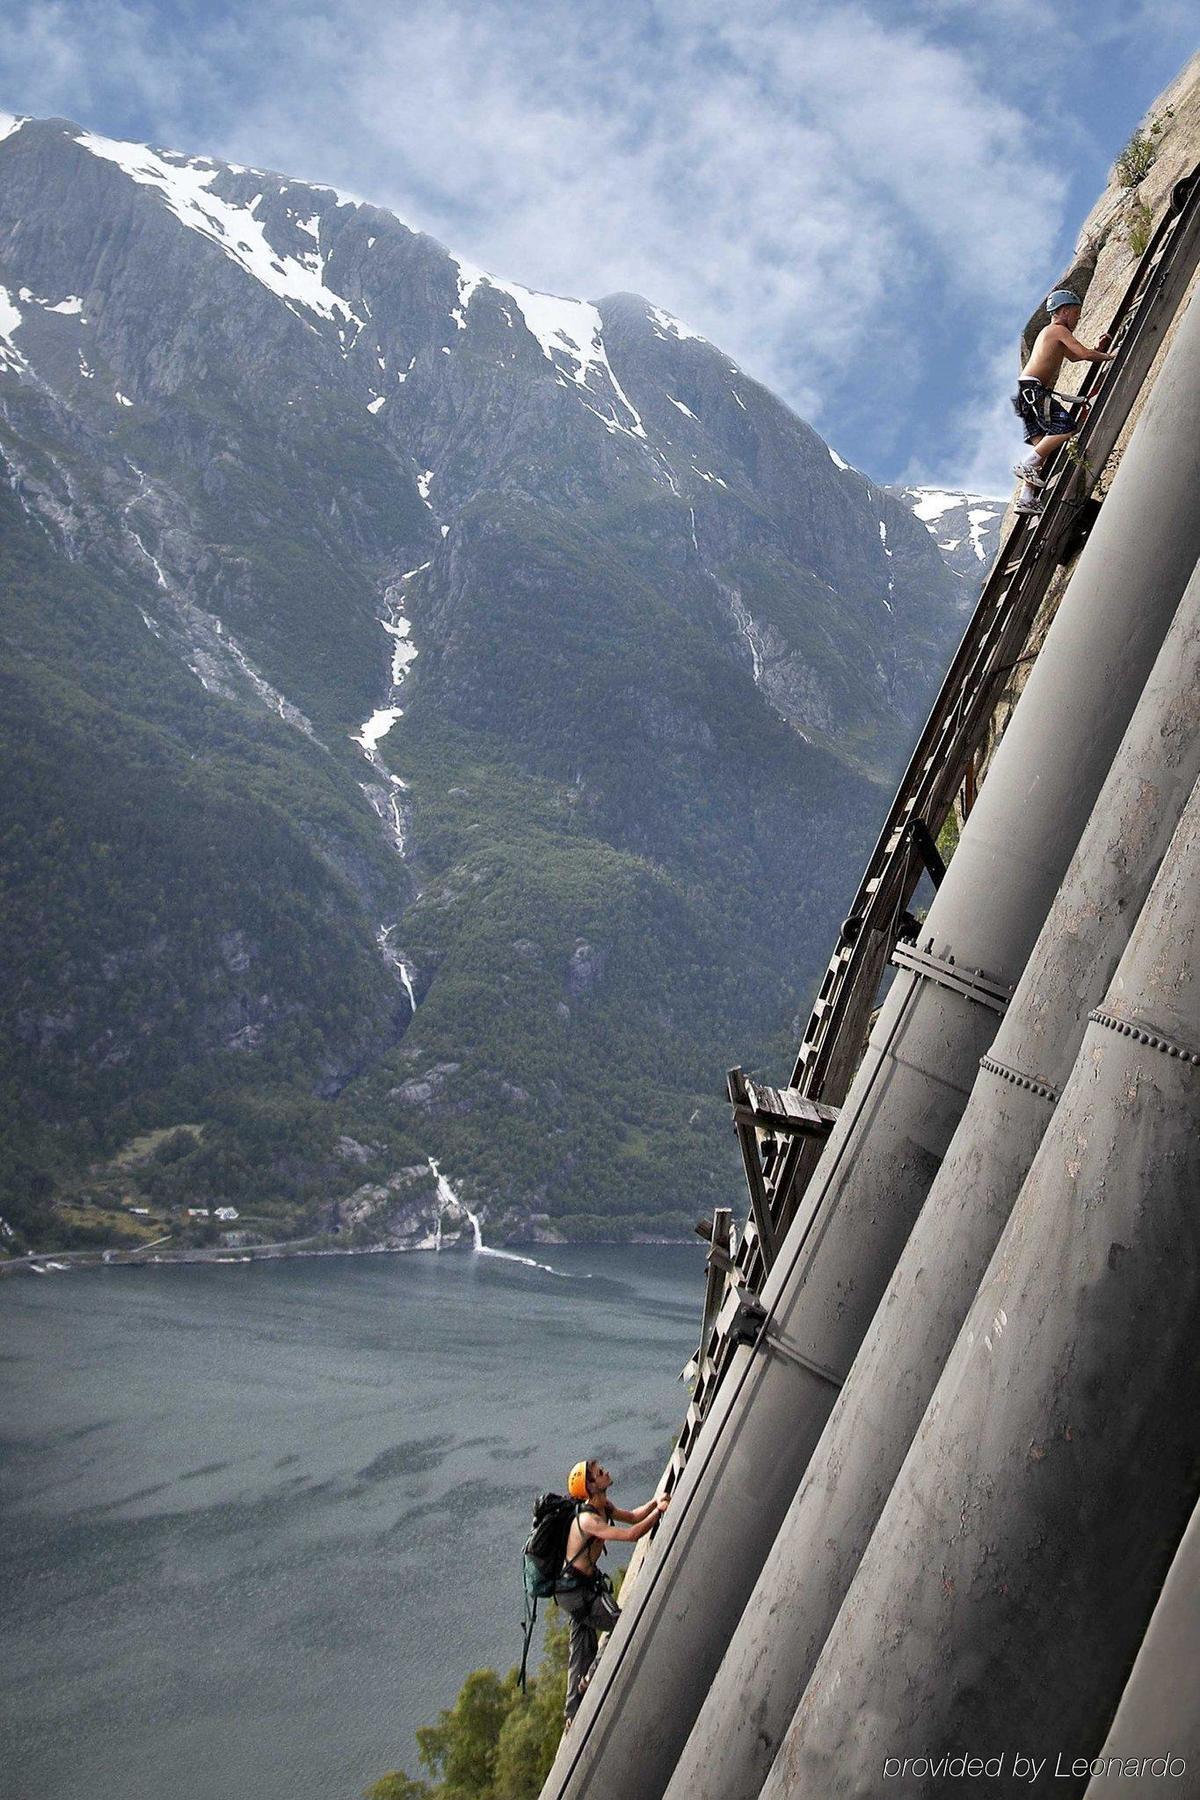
(779, 1109)
(743, 1122)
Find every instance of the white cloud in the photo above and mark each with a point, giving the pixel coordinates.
(978, 457)
(126, 69)
(841, 197)
(797, 185)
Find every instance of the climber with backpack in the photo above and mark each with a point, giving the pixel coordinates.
(562, 1555)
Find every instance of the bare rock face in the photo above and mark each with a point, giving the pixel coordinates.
(538, 1230)
(349, 1150)
(401, 1213)
(1165, 148)
(585, 968)
(425, 1090)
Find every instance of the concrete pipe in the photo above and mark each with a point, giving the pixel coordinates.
(813, 1560)
(1153, 1744)
(1015, 1566)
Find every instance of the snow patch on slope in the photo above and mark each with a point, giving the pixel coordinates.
(377, 727)
(570, 330)
(933, 503)
(185, 185)
(964, 526)
(72, 304)
(979, 518)
(10, 318)
(665, 326)
(981, 515)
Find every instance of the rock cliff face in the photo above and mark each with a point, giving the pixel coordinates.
(440, 713)
(1164, 149)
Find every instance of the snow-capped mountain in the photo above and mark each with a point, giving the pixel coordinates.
(965, 527)
(442, 699)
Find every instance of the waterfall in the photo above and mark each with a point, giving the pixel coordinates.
(449, 1201)
(396, 961)
(371, 733)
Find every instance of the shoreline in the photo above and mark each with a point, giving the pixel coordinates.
(112, 1258)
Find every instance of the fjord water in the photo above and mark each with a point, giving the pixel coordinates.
(259, 1521)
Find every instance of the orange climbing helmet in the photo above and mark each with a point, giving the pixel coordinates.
(577, 1482)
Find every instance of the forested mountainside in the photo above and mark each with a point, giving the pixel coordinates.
(441, 720)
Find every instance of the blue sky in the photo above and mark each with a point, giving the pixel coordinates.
(860, 202)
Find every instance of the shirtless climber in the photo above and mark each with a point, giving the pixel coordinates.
(1050, 419)
(583, 1592)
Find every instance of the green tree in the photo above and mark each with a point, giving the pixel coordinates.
(530, 1733)
(461, 1748)
(398, 1786)
(494, 1743)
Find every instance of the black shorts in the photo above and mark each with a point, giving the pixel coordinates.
(1041, 412)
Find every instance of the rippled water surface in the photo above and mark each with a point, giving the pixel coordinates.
(259, 1521)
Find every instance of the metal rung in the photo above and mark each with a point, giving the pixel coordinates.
(974, 984)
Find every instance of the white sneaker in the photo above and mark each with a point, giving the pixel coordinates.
(1032, 505)
(1030, 474)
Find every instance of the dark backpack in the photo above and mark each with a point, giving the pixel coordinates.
(543, 1558)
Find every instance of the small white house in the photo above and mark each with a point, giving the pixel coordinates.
(143, 1212)
(198, 1212)
(227, 1213)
